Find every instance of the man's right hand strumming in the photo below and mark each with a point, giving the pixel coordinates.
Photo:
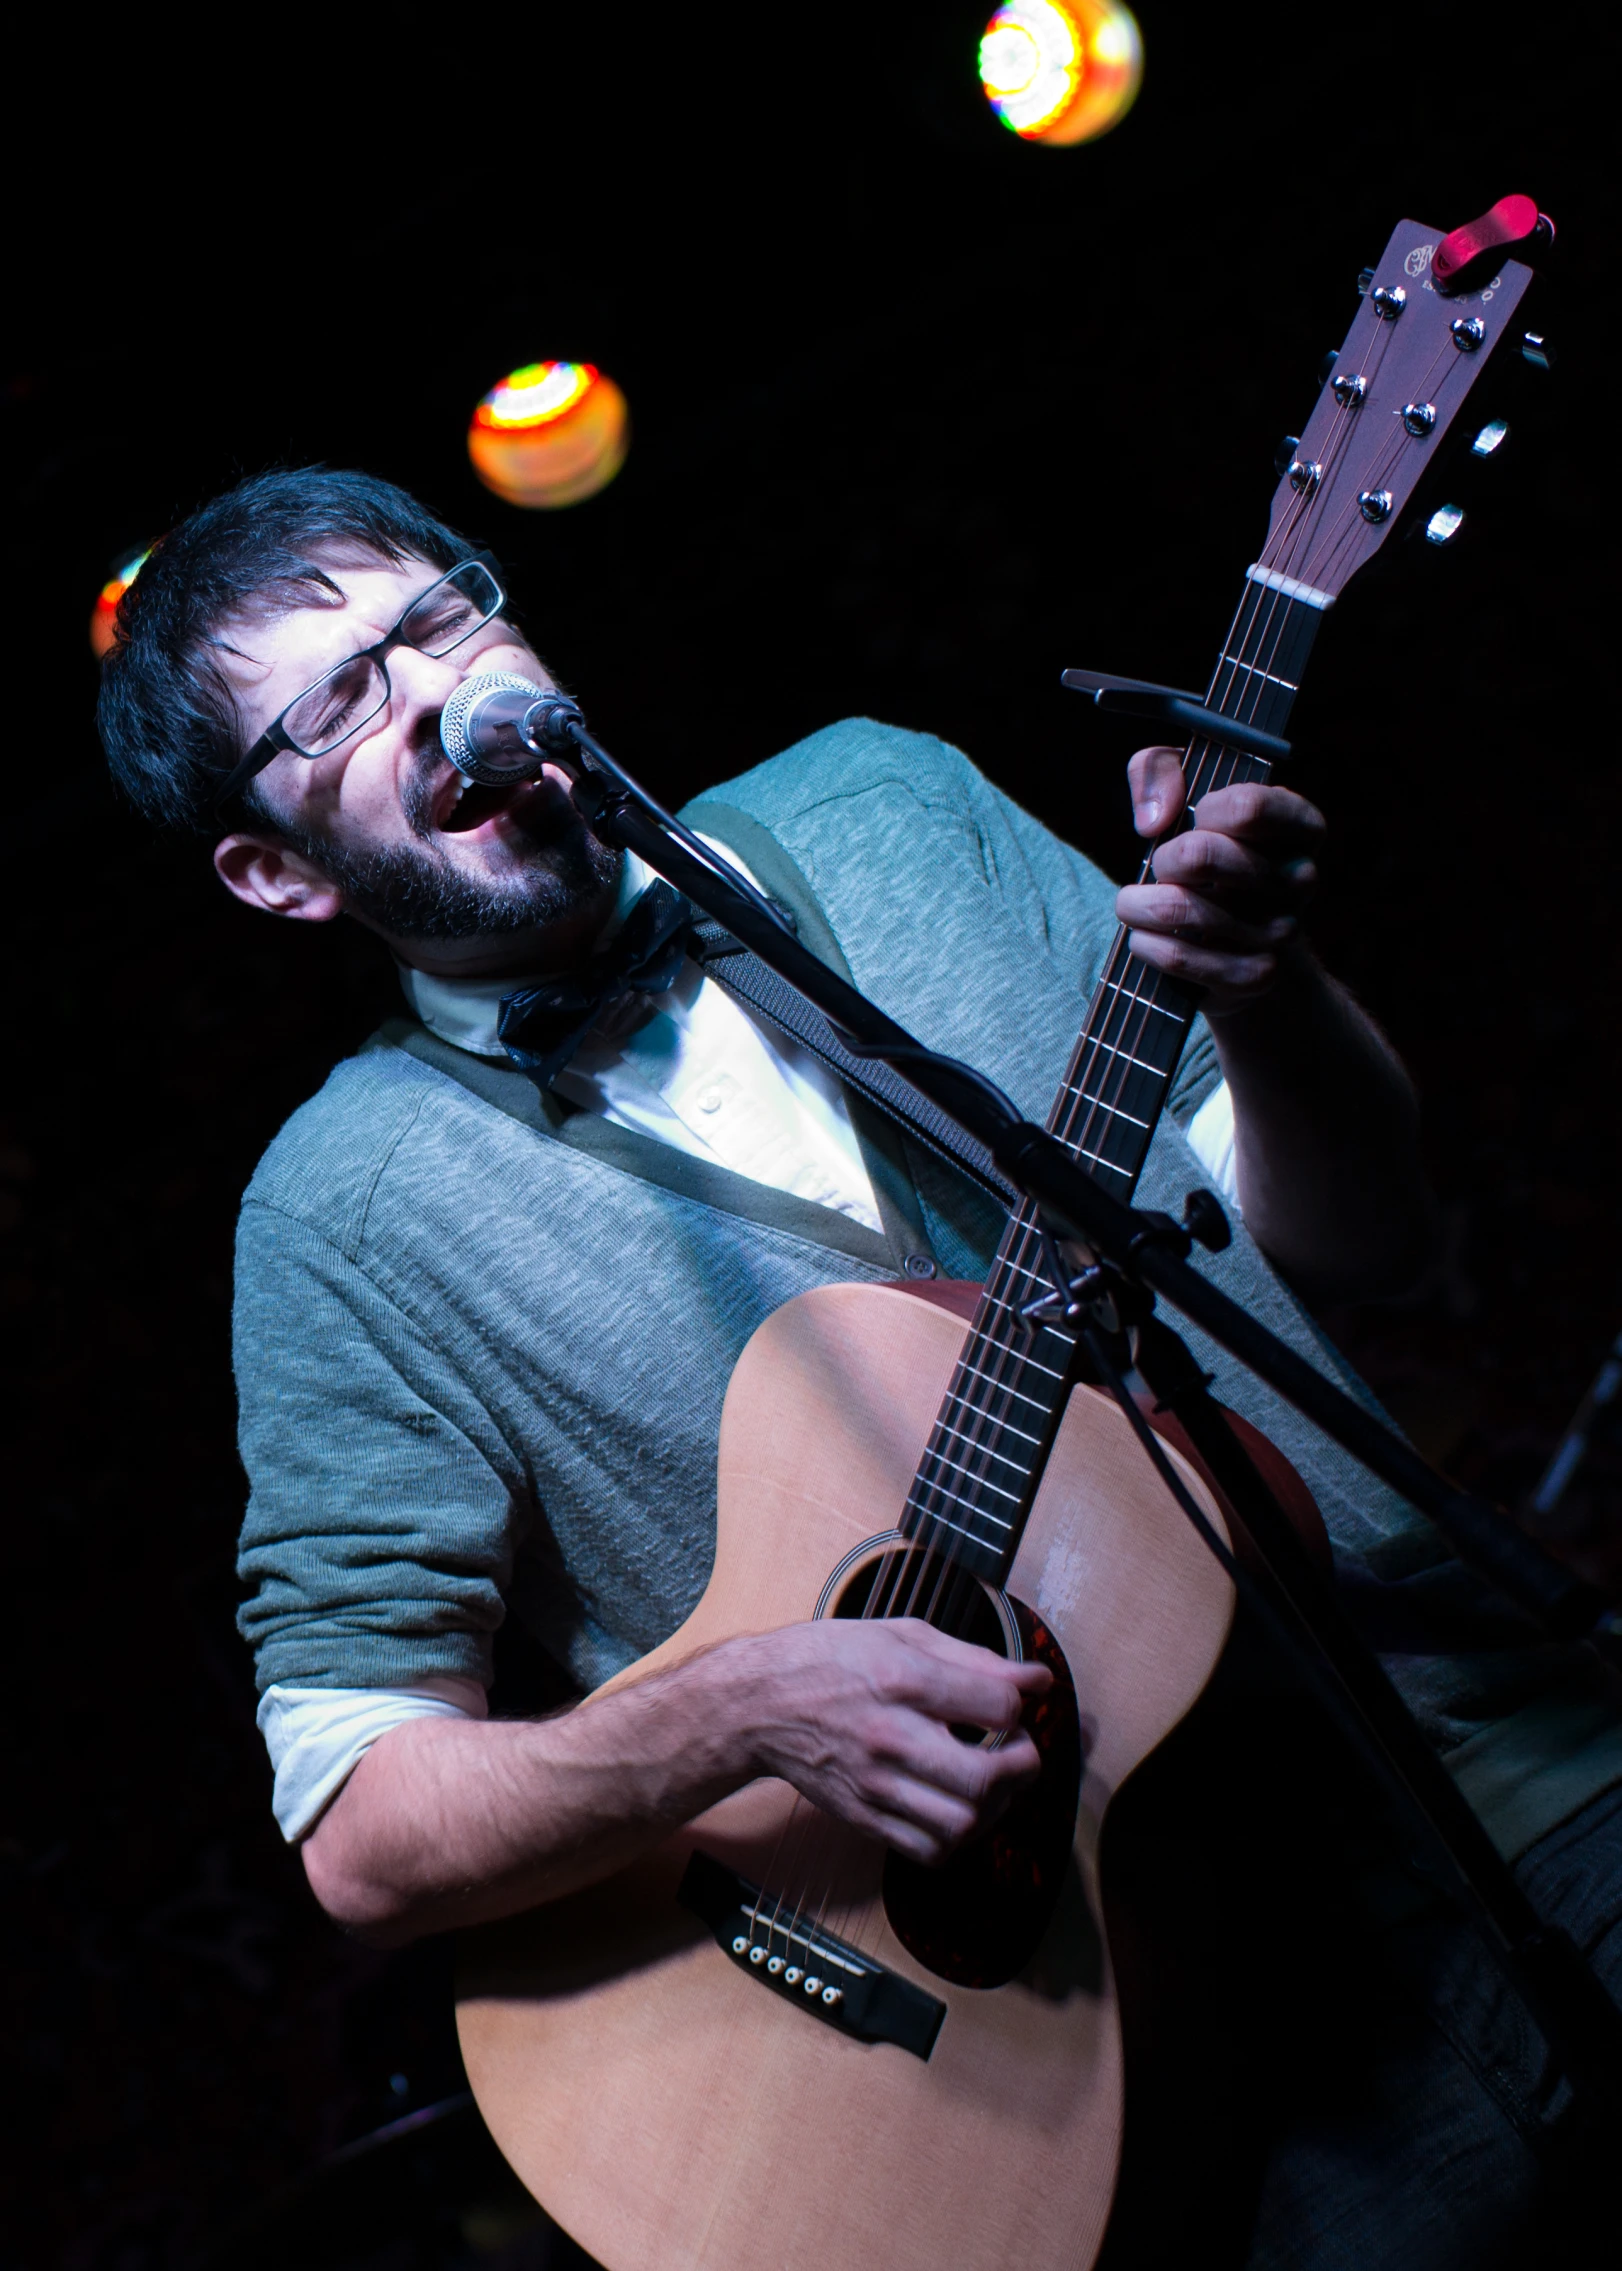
(448, 1822)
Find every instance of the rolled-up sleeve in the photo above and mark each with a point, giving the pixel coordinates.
(384, 1508)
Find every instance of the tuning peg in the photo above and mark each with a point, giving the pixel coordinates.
(1491, 438)
(1365, 277)
(1535, 349)
(1326, 366)
(1444, 525)
(1284, 455)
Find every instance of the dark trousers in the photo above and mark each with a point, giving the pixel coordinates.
(1324, 2067)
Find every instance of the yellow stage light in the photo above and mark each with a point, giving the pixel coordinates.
(1061, 71)
(550, 434)
(103, 615)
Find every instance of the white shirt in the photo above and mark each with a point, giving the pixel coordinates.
(691, 1068)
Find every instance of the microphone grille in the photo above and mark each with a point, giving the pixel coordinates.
(455, 717)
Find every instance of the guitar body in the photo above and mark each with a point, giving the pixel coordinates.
(662, 2102)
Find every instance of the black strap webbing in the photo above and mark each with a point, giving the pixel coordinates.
(747, 979)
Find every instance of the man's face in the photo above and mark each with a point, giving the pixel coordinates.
(384, 817)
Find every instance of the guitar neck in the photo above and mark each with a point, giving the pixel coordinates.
(979, 1475)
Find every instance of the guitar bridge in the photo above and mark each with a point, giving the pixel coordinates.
(823, 1976)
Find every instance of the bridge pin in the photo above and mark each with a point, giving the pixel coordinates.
(774, 1965)
(757, 1955)
(813, 1986)
(833, 1995)
(793, 1975)
(740, 1945)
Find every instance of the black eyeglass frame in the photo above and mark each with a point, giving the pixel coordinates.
(276, 737)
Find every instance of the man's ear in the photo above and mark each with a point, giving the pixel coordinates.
(265, 873)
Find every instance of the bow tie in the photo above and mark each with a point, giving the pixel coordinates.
(541, 1026)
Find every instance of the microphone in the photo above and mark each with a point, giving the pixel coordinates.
(499, 728)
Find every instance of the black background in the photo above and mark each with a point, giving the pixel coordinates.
(921, 415)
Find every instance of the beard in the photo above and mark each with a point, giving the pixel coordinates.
(413, 891)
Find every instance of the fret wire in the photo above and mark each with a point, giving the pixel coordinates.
(966, 1489)
(978, 1483)
(1144, 1000)
(1116, 1111)
(941, 1523)
(965, 1404)
(1004, 1427)
(1002, 1458)
(1020, 1356)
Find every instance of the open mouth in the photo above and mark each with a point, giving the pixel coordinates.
(464, 807)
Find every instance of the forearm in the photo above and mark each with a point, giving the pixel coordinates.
(448, 1822)
(1326, 1128)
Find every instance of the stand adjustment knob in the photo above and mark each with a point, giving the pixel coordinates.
(1205, 1221)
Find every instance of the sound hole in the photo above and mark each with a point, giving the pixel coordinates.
(911, 1581)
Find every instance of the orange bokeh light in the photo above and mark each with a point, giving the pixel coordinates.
(550, 434)
(104, 615)
(1061, 71)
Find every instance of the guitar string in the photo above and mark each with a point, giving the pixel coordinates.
(1256, 673)
(1018, 1250)
(1386, 460)
(1121, 1047)
(1223, 767)
(1076, 1085)
(1299, 523)
(1221, 764)
(1081, 1082)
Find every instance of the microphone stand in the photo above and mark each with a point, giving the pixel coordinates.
(1135, 1254)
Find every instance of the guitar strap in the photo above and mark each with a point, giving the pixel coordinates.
(748, 980)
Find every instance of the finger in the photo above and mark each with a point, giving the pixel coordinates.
(945, 1785)
(967, 1656)
(917, 1808)
(1155, 778)
(1171, 912)
(1223, 975)
(957, 1682)
(1204, 860)
(1256, 812)
(968, 1773)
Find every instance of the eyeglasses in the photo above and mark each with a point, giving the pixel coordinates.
(351, 694)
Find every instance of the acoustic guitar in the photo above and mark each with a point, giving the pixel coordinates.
(769, 2043)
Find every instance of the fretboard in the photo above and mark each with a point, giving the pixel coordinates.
(975, 1482)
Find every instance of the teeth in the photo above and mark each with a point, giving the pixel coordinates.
(466, 780)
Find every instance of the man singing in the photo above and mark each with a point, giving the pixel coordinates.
(485, 1322)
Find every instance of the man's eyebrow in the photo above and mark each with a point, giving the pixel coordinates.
(224, 646)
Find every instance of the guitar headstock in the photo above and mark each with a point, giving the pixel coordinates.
(1407, 375)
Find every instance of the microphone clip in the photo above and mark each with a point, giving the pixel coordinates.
(548, 727)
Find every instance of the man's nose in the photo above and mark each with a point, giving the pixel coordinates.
(421, 682)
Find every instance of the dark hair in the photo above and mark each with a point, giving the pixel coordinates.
(167, 716)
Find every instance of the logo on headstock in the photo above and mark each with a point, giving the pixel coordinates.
(1419, 259)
